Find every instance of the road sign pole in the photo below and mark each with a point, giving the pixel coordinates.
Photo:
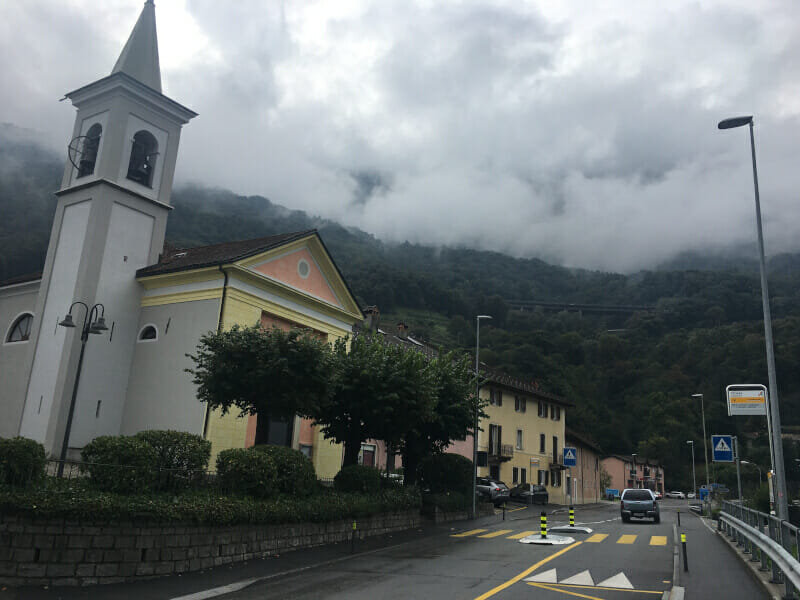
(738, 473)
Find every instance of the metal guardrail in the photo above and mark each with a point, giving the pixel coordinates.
(766, 538)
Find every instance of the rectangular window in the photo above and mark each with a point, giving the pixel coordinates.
(367, 455)
(555, 413)
(499, 398)
(306, 449)
(555, 448)
(542, 409)
(495, 433)
(555, 478)
(519, 439)
(520, 404)
(523, 475)
(514, 475)
(543, 477)
(542, 449)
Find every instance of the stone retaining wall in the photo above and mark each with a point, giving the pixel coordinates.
(59, 552)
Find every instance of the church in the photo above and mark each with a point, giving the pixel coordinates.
(96, 343)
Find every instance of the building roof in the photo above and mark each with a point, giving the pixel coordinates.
(183, 259)
(583, 439)
(652, 462)
(21, 279)
(139, 57)
(531, 387)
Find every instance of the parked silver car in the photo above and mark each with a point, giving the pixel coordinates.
(495, 490)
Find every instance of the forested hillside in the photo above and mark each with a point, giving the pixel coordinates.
(630, 376)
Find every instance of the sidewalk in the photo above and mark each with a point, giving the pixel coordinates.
(715, 570)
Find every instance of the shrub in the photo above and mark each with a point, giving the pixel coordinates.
(446, 501)
(446, 473)
(295, 473)
(358, 478)
(21, 461)
(182, 458)
(247, 472)
(120, 463)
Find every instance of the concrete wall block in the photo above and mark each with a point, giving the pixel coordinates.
(128, 569)
(181, 566)
(164, 567)
(206, 563)
(31, 569)
(74, 555)
(109, 570)
(93, 556)
(61, 570)
(110, 580)
(82, 541)
(22, 540)
(85, 570)
(43, 541)
(66, 581)
(24, 554)
(8, 568)
(100, 541)
(112, 556)
(146, 568)
(145, 540)
(131, 555)
(124, 541)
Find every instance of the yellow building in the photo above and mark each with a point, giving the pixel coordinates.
(522, 438)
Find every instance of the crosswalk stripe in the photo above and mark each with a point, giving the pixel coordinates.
(498, 533)
(658, 540)
(519, 536)
(627, 539)
(597, 537)
(468, 533)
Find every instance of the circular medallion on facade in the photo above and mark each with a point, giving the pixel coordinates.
(303, 269)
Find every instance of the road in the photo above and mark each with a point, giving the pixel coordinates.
(488, 561)
(470, 560)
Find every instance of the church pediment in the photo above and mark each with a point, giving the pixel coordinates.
(299, 269)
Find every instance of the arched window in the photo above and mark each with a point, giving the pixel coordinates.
(91, 144)
(21, 329)
(148, 332)
(143, 158)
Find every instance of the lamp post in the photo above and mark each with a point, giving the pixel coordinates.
(694, 478)
(705, 440)
(774, 410)
(747, 462)
(93, 322)
(477, 408)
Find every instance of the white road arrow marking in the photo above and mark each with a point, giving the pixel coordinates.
(583, 578)
(617, 581)
(544, 577)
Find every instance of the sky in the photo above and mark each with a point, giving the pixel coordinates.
(583, 133)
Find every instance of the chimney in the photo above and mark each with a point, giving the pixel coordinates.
(372, 318)
(402, 331)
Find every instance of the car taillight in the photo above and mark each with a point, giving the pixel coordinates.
(621, 504)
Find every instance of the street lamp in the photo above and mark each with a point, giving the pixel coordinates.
(694, 478)
(705, 440)
(93, 322)
(477, 408)
(774, 411)
(746, 462)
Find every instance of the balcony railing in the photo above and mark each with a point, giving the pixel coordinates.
(501, 452)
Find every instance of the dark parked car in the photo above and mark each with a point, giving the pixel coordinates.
(639, 503)
(495, 490)
(530, 493)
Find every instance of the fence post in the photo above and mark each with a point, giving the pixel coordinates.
(773, 534)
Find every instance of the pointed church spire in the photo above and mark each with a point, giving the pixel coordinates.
(139, 57)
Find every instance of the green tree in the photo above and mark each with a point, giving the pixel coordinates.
(265, 372)
(364, 382)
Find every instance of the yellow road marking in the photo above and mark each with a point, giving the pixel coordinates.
(526, 572)
(554, 589)
(516, 509)
(496, 533)
(597, 537)
(658, 540)
(626, 539)
(466, 533)
(519, 536)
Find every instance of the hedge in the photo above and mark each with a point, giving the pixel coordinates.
(358, 478)
(295, 473)
(441, 473)
(78, 500)
(247, 471)
(120, 463)
(22, 461)
(182, 457)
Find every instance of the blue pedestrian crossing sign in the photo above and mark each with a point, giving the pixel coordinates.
(570, 456)
(722, 448)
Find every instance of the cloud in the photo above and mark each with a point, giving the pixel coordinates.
(579, 133)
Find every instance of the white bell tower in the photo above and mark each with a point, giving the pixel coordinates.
(110, 221)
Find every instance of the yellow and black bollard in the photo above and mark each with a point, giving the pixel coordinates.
(571, 517)
(544, 525)
(685, 561)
